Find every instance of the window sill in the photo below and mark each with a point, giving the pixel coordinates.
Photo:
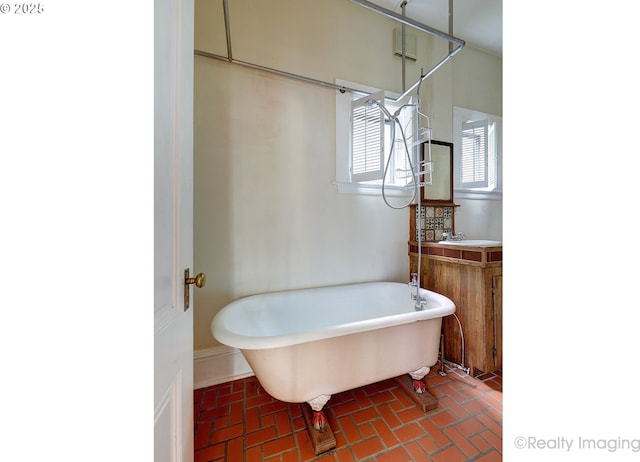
(372, 189)
(477, 195)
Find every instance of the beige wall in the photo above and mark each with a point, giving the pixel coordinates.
(477, 81)
(267, 216)
(477, 84)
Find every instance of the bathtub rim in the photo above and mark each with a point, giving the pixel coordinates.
(246, 342)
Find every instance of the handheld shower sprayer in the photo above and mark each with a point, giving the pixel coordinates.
(394, 120)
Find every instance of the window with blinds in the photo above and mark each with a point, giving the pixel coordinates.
(367, 139)
(477, 149)
(475, 154)
(365, 149)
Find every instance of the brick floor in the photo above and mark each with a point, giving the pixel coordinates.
(239, 422)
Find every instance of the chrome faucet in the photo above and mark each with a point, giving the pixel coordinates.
(420, 300)
(452, 237)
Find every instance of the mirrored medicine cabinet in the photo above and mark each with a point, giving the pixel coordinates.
(440, 192)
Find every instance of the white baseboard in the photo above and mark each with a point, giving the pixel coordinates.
(218, 364)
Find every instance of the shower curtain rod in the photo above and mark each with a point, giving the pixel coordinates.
(408, 21)
(419, 26)
(342, 88)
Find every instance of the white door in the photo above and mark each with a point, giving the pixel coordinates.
(173, 224)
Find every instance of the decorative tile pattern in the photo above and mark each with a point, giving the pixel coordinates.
(439, 219)
(239, 421)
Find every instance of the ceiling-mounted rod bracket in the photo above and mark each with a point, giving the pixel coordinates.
(403, 5)
(422, 27)
(409, 21)
(450, 24)
(227, 28)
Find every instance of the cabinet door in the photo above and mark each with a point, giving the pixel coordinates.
(496, 286)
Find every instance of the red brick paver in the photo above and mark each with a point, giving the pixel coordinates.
(239, 422)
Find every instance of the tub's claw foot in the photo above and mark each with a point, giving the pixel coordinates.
(414, 385)
(419, 386)
(319, 420)
(322, 438)
(318, 402)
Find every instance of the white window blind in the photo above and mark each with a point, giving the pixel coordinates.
(363, 142)
(475, 154)
(367, 139)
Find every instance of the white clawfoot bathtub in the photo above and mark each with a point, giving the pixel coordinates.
(305, 345)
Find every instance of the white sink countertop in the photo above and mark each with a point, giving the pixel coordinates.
(474, 243)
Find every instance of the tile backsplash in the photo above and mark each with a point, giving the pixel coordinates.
(433, 220)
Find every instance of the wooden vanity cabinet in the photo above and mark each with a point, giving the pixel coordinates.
(472, 278)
